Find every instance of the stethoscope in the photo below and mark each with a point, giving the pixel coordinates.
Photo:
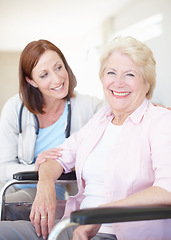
(67, 129)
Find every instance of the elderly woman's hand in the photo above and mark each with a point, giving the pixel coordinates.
(52, 153)
(86, 232)
(42, 214)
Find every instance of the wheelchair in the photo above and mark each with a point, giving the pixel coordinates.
(21, 210)
(79, 217)
(110, 215)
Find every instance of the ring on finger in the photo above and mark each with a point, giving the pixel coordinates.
(44, 217)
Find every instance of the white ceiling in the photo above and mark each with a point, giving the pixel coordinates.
(22, 21)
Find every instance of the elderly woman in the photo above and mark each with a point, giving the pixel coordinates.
(121, 156)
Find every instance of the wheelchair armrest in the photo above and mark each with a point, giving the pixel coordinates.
(120, 214)
(33, 175)
(29, 175)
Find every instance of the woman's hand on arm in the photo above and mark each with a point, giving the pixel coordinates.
(159, 105)
(52, 153)
(42, 214)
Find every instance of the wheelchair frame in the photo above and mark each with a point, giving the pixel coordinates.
(24, 178)
(111, 215)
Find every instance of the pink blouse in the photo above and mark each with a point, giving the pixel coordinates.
(140, 158)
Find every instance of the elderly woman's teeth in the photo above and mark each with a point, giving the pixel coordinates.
(120, 93)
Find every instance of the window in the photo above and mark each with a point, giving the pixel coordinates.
(144, 30)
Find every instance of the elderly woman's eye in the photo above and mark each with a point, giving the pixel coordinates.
(130, 75)
(110, 73)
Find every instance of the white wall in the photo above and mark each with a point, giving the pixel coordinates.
(9, 62)
(84, 61)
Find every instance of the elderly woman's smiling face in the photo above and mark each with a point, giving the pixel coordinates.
(123, 84)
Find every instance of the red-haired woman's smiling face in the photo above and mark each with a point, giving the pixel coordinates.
(50, 76)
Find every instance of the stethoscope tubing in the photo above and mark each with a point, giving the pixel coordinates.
(68, 127)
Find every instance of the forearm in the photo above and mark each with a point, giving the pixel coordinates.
(50, 170)
(45, 201)
(149, 196)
